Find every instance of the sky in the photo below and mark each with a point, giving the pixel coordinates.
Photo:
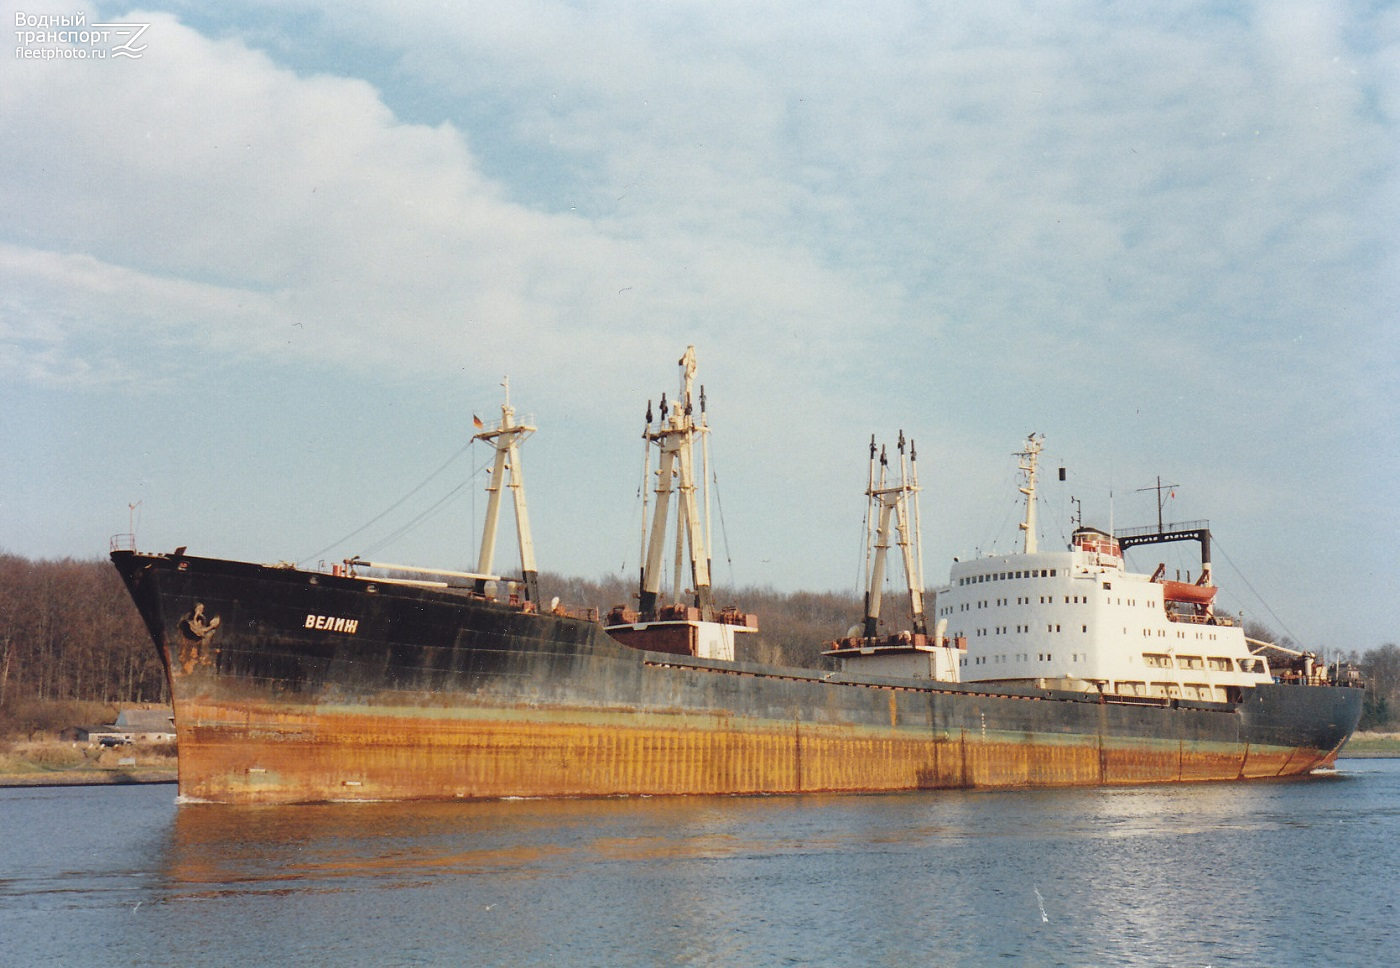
(260, 269)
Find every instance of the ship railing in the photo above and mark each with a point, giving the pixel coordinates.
(1287, 677)
(587, 614)
(122, 542)
(1170, 528)
(728, 615)
(1223, 621)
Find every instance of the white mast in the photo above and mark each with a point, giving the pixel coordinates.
(507, 471)
(886, 501)
(695, 528)
(918, 528)
(705, 480)
(881, 521)
(646, 475)
(910, 545)
(870, 529)
(1029, 458)
(676, 441)
(651, 563)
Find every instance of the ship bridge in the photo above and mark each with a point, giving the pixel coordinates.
(1079, 618)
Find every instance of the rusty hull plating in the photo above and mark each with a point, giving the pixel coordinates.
(293, 686)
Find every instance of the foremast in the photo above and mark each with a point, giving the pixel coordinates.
(506, 472)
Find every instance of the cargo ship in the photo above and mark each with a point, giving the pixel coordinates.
(376, 681)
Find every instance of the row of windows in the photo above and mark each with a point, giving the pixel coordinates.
(1217, 663)
(1132, 601)
(1043, 600)
(1162, 633)
(1172, 690)
(1009, 576)
(1005, 630)
(1022, 657)
(1020, 600)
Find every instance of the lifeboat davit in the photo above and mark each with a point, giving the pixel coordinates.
(1180, 591)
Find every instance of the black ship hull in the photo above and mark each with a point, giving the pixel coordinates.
(294, 686)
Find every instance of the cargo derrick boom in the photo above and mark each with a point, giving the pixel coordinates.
(690, 623)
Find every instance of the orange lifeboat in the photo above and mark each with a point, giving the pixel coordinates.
(1180, 591)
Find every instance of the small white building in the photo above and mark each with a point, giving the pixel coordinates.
(132, 726)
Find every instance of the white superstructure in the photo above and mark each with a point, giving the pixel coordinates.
(1080, 618)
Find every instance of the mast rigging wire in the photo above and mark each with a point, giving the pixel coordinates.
(723, 531)
(1215, 544)
(405, 529)
(391, 508)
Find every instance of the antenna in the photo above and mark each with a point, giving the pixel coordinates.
(1158, 488)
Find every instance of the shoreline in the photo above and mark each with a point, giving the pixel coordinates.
(1369, 755)
(87, 778)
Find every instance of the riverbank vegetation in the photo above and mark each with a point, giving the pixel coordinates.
(69, 634)
(24, 757)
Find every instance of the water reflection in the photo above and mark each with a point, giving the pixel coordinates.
(1182, 874)
(223, 845)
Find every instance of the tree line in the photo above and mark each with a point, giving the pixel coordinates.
(793, 628)
(1381, 667)
(69, 633)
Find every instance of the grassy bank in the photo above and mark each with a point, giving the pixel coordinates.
(54, 762)
(1372, 745)
(1363, 745)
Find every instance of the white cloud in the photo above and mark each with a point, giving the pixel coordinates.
(302, 201)
(1156, 228)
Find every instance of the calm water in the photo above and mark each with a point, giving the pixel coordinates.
(1270, 874)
